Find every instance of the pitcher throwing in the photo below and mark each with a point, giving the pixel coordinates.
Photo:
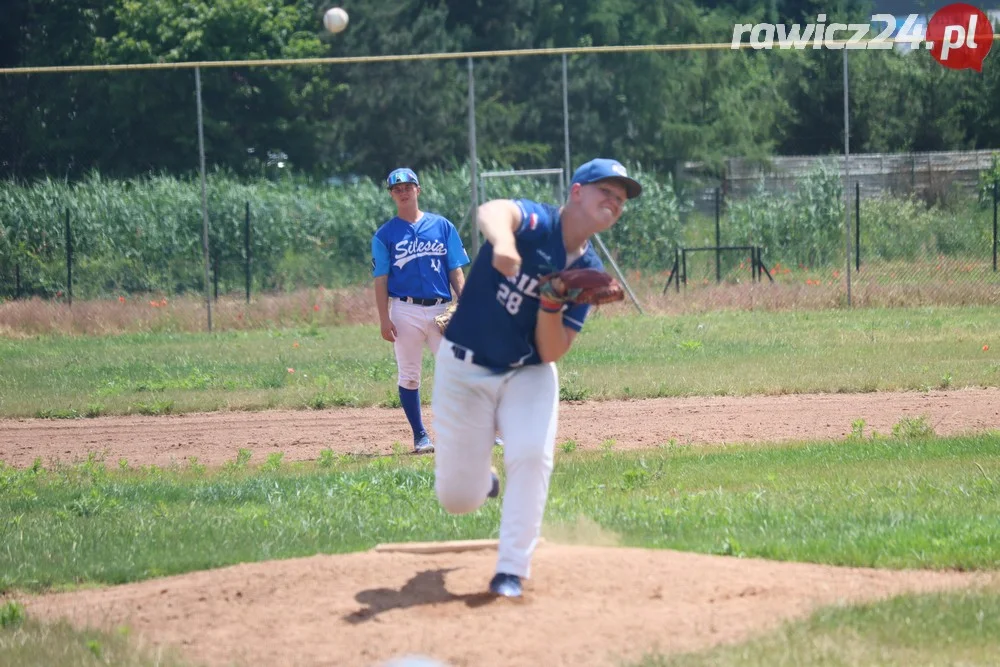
(495, 368)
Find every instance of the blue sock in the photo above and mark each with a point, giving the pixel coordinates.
(410, 400)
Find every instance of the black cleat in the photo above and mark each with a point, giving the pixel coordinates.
(506, 585)
(494, 487)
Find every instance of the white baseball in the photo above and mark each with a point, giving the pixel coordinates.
(335, 19)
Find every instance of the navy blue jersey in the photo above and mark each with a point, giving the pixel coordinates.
(418, 256)
(496, 315)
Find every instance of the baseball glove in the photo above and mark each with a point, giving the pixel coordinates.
(444, 318)
(589, 286)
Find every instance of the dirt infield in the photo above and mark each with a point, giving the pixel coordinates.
(300, 435)
(583, 606)
(588, 603)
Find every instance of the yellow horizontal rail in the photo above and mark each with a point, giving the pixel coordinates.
(349, 60)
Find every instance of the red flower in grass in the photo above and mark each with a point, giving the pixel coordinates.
(121, 299)
(986, 348)
(316, 307)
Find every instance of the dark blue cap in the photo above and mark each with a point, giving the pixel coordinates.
(402, 175)
(601, 169)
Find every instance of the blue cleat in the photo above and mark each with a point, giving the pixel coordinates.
(422, 444)
(495, 486)
(506, 585)
(498, 441)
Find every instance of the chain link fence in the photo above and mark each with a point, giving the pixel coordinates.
(923, 227)
(909, 228)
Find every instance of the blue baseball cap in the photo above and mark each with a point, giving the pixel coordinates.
(402, 175)
(601, 169)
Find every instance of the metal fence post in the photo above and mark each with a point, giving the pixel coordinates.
(857, 225)
(677, 263)
(565, 90)
(246, 249)
(473, 165)
(847, 177)
(69, 262)
(995, 201)
(718, 236)
(204, 200)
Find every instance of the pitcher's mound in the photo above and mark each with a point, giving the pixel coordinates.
(584, 605)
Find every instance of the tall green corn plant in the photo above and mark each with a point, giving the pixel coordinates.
(301, 233)
(33, 223)
(803, 227)
(10, 232)
(145, 234)
(896, 228)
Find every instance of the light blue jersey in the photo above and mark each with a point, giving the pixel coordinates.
(417, 257)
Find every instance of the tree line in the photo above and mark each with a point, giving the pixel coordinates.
(656, 109)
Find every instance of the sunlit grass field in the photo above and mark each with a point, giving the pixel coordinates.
(899, 501)
(906, 499)
(630, 356)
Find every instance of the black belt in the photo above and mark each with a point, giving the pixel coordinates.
(466, 355)
(462, 353)
(422, 302)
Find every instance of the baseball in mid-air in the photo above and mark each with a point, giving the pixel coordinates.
(335, 19)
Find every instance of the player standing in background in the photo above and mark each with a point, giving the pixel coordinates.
(496, 365)
(417, 260)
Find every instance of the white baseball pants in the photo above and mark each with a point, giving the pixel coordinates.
(415, 327)
(470, 404)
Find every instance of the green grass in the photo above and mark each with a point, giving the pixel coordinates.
(894, 502)
(719, 353)
(161, 373)
(742, 353)
(93, 523)
(905, 500)
(959, 628)
(29, 643)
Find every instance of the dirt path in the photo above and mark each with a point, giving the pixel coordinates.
(585, 605)
(216, 437)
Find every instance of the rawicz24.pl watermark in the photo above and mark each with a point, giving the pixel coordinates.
(958, 36)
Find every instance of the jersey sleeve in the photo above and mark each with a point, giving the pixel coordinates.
(575, 316)
(456, 250)
(380, 257)
(536, 220)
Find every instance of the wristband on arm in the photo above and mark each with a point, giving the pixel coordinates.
(550, 306)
